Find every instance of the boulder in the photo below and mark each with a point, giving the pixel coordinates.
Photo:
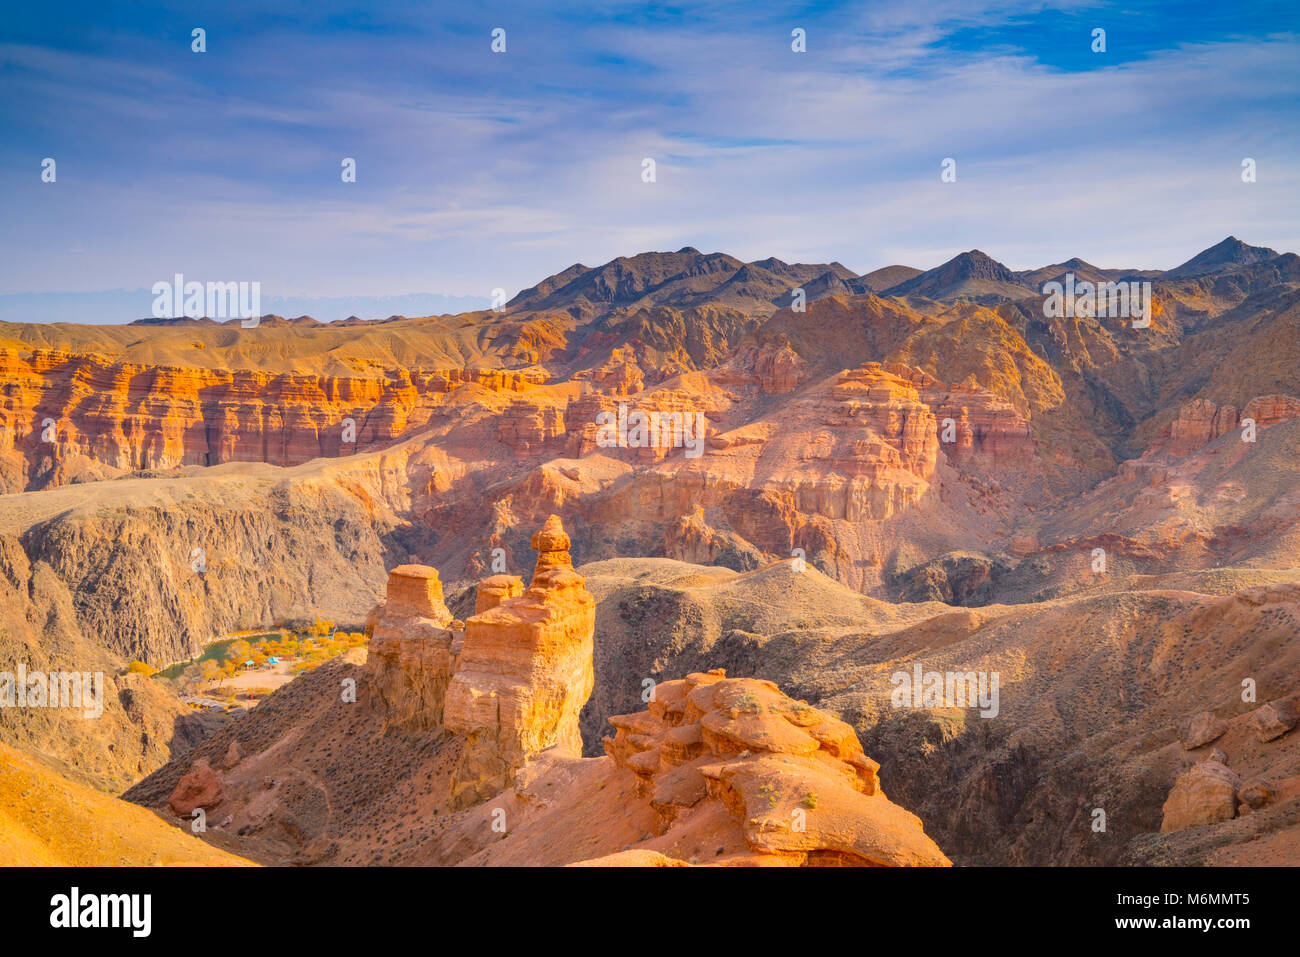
(201, 787)
(1203, 728)
(1205, 793)
(1255, 794)
(1274, 719)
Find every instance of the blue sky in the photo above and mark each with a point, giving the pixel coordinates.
(478, 170)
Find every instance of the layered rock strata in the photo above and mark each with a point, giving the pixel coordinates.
(412, 650)
(511, 680)
(794, 778)
(525, 671)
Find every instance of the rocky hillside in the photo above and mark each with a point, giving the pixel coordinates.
(1097, 693)
(458, 742)
(459, 721)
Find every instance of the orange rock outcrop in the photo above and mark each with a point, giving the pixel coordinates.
(525, 672)
(1200, 422)
(1205, 793)
(793, 778)
(512, 680)
(778, 368)
(412, 650)
(888, 405)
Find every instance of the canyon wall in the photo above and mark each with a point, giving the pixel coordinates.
(68, 416)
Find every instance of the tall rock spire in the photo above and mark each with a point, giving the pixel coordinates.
(524, 674)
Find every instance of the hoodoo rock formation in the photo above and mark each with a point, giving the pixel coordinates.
(412, 649)
(525, 671)
(511, 680)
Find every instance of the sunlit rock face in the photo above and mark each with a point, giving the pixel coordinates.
(525, 671)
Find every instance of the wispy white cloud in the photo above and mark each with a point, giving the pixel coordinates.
(478, 171)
